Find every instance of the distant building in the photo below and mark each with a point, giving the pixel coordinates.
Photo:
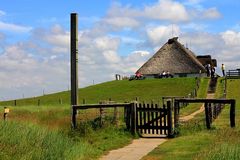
(176, 59)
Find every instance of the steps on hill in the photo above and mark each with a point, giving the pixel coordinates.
(212, 85)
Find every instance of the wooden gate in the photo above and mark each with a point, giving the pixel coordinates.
(153, 119)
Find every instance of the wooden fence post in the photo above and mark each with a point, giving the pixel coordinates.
(176, 115)
(38, 102)
(60, 101)
(102, 115)
(137, 99)
(127, 116)
(15, 102)
(169, 118)
(133, 118)
(74, 117)
(207, 116)
(232, 113)
(210, 112)
(225, 87)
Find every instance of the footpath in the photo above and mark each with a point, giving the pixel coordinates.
(142, 146)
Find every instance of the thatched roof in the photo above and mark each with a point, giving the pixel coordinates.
(172, 57)
(207, 59)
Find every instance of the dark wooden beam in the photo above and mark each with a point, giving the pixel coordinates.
(74, 66)
(194, 100)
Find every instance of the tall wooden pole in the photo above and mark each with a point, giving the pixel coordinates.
(74, 64)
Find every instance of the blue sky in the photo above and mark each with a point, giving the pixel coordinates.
(114, 37)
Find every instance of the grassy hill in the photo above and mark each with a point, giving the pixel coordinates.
(121, 91)
(43, 132)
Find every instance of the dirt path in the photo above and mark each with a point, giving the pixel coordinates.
(191, 116)
(142, 146)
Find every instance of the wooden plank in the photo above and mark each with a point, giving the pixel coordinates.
(89, 106)
(169, 118)
(152, 117)
(141, 117)
(144, 118)
(153, 127)
(156, 122)
(137, 117)
(133, 119)
(165, 119)
(200, 100)
(151, 109)
(148, 117)
(153, 120)
(160, 124)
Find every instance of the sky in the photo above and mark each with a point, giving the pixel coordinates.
(115, 37)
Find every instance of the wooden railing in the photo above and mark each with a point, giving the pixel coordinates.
(212, 109)
(130, 123)
(233, 73)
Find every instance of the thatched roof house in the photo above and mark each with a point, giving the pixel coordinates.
(172, 57)
(207, 59)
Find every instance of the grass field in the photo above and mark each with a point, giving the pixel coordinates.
(121, 91)
(43, 132)
(196, 142)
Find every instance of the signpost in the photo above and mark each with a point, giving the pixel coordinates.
(6, 111)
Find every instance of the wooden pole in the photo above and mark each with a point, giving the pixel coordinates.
(74, 65)
(232, 114)
(225, 88)
(207, 116)
(169, 118)
(133, 118)
(176, 114)
(74, 117)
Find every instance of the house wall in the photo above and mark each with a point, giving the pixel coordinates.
(178, 75)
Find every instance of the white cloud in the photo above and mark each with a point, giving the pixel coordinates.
(2, 13)
(106, 43)
(56, 36)
(111, 56)
(167, 10)
(122, 22)
(231, 38)
(223, 46)
(211, 13)
(14, 27)
(160, 34)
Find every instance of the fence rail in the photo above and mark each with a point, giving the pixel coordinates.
(233, 73)
(212, 108)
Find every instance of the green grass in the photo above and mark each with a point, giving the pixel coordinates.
(121, 91)
(29, 142)
(196, 142)
(53, 115)
(48, 135)
(227, 143)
